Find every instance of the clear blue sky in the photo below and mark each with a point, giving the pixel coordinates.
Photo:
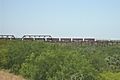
(71, 18)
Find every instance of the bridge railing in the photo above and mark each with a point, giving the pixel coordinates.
(36, 37)
(7, 37)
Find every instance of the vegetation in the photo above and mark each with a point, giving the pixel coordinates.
(60, 61)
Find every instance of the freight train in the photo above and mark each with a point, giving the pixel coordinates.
(45, 38)
(49, 38)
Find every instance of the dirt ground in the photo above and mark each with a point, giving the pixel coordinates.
(5, 75)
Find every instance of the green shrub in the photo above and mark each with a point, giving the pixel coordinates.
(63, 65)
(60, 61)
(3, 58)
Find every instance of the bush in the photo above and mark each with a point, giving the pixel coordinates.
(57, 66)
(60, 61)
(3, 58)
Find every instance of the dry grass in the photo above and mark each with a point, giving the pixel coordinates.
(5, 75)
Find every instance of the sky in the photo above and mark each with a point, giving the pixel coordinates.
(61, 18)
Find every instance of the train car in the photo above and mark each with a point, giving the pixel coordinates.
(102, 42)
(115, 42)
(77, 39)
(49, 39)
(40, 39)
(53, 39)
(65, 39)
(89, 39)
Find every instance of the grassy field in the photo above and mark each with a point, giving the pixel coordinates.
(36, 60)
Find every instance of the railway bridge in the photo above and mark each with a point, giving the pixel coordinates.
(49, 38)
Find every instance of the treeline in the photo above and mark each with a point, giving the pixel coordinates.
(60, 61)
